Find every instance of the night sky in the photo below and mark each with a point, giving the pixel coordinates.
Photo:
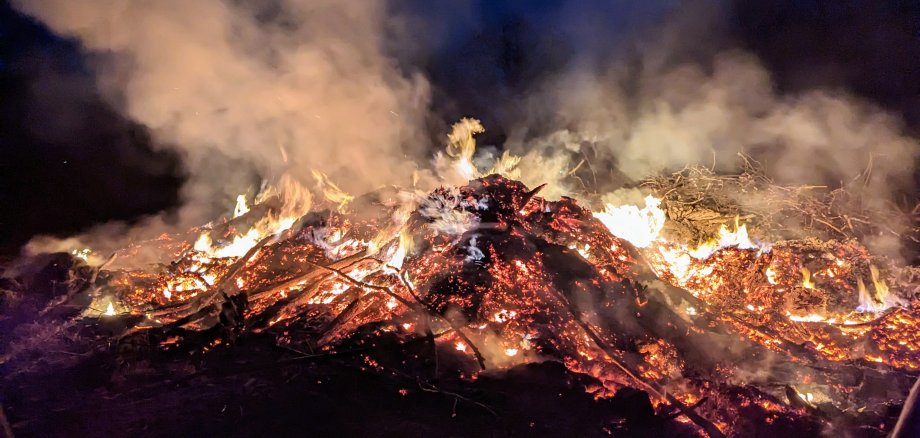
(68, 160)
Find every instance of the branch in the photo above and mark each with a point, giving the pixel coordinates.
(421, 307)
(653, 388)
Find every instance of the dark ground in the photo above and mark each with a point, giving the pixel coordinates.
(250, 391)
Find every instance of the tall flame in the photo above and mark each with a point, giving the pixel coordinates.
(331, 191)
(641, 227)
(461, 145)
(241, 207)
(882, 299)
(806, 278)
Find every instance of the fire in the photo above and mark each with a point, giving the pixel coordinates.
(331, 191)
(771, 275)
(466, 168)
(83, 253)
(806, 278)
(641, 227)
(726, 239)
(461, 146)
(504, 316)
(700, 269)
(241, 243)
(235, 248)
(493, 272)
(710, 271)
(807, 318)
(241, 206)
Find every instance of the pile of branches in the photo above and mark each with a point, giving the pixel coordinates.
(699, 201)
(525, 262)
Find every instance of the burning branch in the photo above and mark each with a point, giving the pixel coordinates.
(652, 388)
(420, 308)
(505, 266)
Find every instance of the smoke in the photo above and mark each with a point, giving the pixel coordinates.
(686, 115)
(253, 89)
(618, 90)
(676, 90)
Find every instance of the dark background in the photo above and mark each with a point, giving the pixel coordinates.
(68, 160)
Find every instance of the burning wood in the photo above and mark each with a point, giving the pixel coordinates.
(722, 331)
(717, 333)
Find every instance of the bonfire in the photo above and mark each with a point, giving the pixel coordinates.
(684, 315)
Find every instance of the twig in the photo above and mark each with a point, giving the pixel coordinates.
(435, 389)
(831, 226)
(427, 317)
(693, 406)
(72, 292)
(703, 423)
(108, 261)
(347, 312)
(418, 308)
(575, 169)
(479, 357)
(241, 263)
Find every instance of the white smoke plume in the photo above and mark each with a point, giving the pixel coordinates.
(242, 88)
(671, 94)
(679, 92)
(290, 86)
(686, 115)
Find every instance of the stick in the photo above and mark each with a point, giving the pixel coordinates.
(909, 422)
(241, 263)
(476, 352)
(308, 276)
(73, 292)
(348, 312)
(703, 423)
(433, 388)
(418, 308)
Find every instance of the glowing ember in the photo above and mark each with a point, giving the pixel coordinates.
(490, 270)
